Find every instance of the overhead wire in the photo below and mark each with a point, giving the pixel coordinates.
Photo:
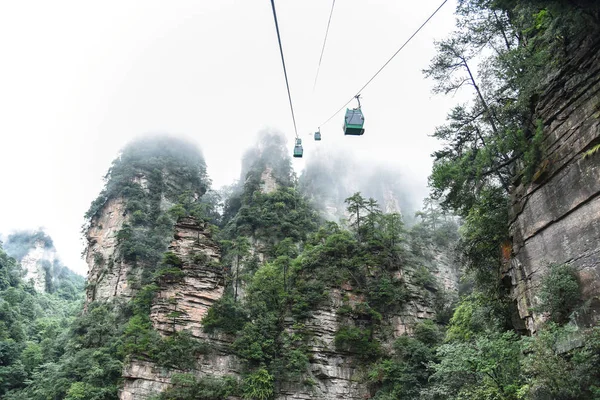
(287, 84)
(386, 63)
(324, 43)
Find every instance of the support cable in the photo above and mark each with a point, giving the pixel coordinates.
(284, 69)
(324, 42)
(386, 63)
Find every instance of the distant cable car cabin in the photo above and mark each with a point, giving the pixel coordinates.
(354, 120)
(318, 135)
(298, 148)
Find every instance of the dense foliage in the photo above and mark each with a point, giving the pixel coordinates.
(33, 327)
(503, 51)
(281, 295)
(267, 305)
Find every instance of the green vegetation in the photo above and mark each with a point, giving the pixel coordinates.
(359, 341)
(560, 293)
(306, 261)
(258, 385)
(33, 327)
(592, 151)
(406, 372)
(503, 50)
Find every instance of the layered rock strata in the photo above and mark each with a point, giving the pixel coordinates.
(181, 304)
(107, 274)
(556, 218)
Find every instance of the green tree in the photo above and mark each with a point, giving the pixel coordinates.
(405, 374)
(487, 367)
(238, 251)
(357, 208)
(559, 293)
(372, 217)
(258, 385)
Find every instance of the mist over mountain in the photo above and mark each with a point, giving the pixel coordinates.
(41, 265)
(330, 176)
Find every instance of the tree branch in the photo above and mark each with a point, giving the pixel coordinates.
(502, 165)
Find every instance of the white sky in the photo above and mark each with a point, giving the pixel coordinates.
(79, 79)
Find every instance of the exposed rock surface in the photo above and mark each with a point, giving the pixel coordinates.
(201, 285)
(390, 202)
(182, 301)
(33, 267)
(446, 272)
(556, 219)
(268, 183)
(180, 304)
(341, 375)
(334, 374)
(107, 275)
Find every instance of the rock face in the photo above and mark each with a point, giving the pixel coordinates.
(333, 373)
(180, 304)
(446, 272)
(268, 183)
(182, 300)
(556, 218)
(32, 264)
(200, 287)
(390, 202)
(107, 277)
(340, 375)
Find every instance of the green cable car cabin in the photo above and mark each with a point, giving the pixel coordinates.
(298, 148)
(318, 135)
(354, 121)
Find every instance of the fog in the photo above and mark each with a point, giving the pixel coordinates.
(81, 79)
(334, 173)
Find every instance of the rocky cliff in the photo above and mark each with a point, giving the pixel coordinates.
(556, 218)
(132, 232)
(107, 273)
(32, 264)
(131, 221)
(181, 304)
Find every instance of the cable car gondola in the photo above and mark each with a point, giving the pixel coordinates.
(354, 120)
(318, 135)
(298, 148)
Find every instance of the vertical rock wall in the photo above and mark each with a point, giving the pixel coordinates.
(268, 183)
(107, 275)
(32, 265)
(180, 305)
(556, 219)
